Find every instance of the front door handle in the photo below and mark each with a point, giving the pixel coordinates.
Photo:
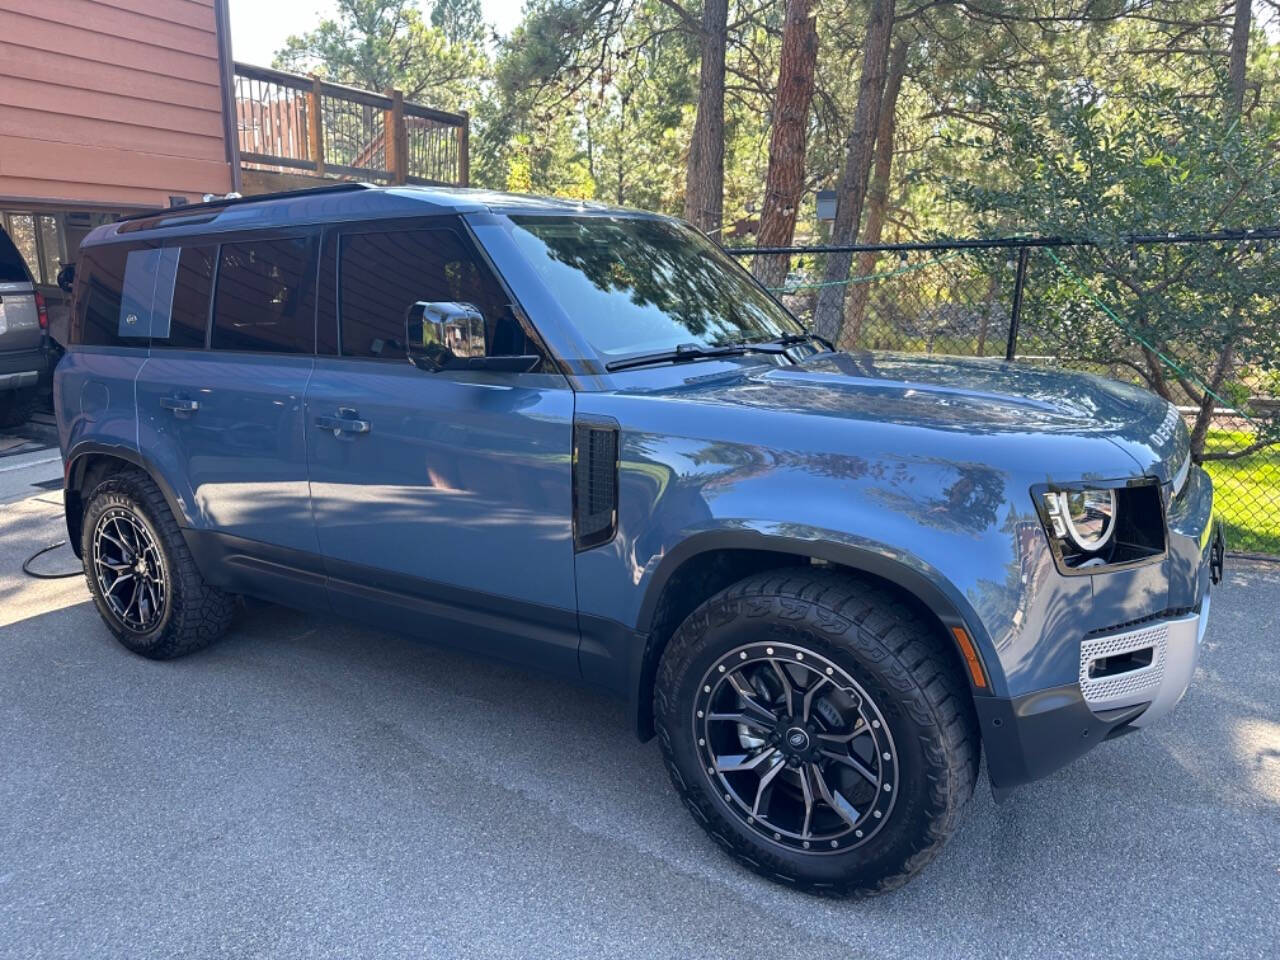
(347, 421)
(180, 404)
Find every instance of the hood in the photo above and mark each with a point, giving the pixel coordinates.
(969, 396)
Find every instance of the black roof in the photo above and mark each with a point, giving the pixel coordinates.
(335, 203)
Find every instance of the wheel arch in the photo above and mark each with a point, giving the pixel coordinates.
(705, 564)
(97, 459)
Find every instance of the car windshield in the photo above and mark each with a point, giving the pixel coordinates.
(639, 285)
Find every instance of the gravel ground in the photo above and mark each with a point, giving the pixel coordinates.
(309, 788)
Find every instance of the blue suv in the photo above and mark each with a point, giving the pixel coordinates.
(585, 440)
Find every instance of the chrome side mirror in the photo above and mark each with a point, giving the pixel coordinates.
(443, 334)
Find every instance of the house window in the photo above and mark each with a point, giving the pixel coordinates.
(40, 239)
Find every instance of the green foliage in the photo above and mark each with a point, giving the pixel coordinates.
(592, 100)
(380, 44)
(1078, 161)
(461, 21)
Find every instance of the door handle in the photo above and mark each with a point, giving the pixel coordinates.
(180, 404)
(347, 421)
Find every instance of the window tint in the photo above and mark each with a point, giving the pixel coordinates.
(190, 314)
(99, 281)
(327, 297)
(383, 274)
(265, 299)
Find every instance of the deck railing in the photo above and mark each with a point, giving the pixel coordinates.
(293, 124)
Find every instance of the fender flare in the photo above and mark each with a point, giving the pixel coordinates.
(915, 577)
(73, 472)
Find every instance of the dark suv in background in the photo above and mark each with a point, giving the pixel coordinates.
(23, 336)
(585, 440)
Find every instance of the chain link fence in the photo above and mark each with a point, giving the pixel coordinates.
(1193, 317)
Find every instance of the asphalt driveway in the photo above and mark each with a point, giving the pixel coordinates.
(309, 788)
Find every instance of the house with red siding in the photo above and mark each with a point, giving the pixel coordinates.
(109, 107)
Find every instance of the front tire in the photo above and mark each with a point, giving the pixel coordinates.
(141, 574)
(819, 730)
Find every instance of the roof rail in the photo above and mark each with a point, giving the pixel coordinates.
(191, 209)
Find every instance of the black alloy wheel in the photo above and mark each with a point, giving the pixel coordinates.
(800, 751)
(130, 569)
(819, 727)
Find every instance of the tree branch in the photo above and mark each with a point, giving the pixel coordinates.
(1238, 454)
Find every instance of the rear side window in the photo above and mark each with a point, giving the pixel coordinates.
(265, 297)
(99, 282)
(147, 294)
(383, 274)
(192, 286)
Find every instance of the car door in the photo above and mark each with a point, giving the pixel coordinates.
(442, 500)
(220, 399)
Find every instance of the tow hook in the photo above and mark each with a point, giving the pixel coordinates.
(1217, 554)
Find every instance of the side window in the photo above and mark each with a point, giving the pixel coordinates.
(265, 297)
(383, 274)
(147, 295)
(189, 315)
(99, 284)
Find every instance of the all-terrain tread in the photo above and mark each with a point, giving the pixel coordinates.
(876, 625)
(199, 613)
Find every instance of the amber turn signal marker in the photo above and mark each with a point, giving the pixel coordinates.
(970, 657)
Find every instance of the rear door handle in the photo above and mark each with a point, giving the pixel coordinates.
(347, 421)
(180, 404)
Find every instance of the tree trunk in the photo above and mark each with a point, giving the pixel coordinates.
(1204, 416)
(852, 190)
(785, 179)
(878, 192)
(1239, 52)
(704, 181)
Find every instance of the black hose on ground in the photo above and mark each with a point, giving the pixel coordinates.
(26, 564)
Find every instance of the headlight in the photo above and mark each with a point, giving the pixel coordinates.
(1101, 527)
(1089, 517)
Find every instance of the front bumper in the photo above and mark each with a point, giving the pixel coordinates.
(1128, 678)
(1163, 655)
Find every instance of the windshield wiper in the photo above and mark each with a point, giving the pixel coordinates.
(789, 340)
(681, 354)
(693, 351)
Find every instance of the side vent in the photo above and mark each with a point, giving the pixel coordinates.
(595, 482)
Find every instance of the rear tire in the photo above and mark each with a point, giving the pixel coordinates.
(141, 574)
(819, 730)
